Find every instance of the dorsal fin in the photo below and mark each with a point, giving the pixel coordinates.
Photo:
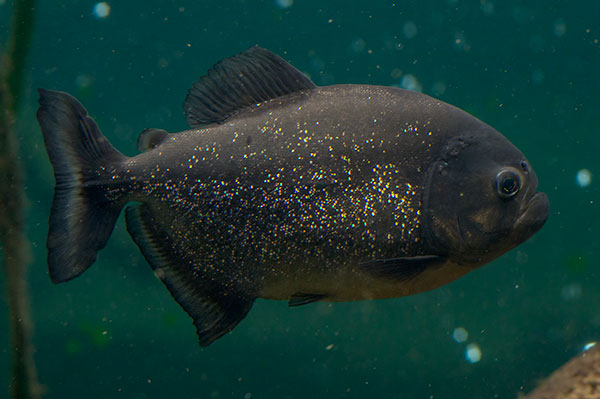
(151, 138)
(251, 77)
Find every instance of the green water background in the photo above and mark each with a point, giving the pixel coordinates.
(530, 69)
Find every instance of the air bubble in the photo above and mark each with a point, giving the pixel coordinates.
(583, 178)
(460, 334)
(101, 10)
(473, 353)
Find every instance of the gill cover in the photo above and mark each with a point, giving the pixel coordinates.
(475, 193)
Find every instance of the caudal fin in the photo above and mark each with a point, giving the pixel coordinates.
(82, 216)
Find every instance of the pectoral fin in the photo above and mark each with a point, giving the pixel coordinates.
(301, 298)
(402, 269)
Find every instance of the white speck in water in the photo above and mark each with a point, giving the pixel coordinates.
(473, 353)
(284, 3)
(329, 347)
(460, 334)
(460, 42)
(102, 9)
(248, 395)
(584, 178)
(589, 345)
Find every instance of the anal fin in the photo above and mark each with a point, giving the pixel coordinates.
(215, 308)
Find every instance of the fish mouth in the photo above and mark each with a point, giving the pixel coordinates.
(533, 216)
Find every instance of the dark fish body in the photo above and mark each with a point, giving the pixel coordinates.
(285, 190)
(291, 196)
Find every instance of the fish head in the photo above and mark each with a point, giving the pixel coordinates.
(481, 198)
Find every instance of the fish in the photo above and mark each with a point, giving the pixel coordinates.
(285, 190)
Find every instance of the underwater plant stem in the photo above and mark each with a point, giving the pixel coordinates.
(22, 23)
(24, 382)
(15, 246)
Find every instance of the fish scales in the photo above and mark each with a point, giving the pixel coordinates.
(320, 194)
(292, 192)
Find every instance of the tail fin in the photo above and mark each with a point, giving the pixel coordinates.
(82, 217)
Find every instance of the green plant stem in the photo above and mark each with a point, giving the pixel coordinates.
(15, 246)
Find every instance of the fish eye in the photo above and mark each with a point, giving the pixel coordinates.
(508, 183)
(525, 166)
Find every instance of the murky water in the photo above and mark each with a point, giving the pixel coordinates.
(529, 70)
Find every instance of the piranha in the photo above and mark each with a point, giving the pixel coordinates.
(286, 190)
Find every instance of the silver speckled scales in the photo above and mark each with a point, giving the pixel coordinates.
(286, 190)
